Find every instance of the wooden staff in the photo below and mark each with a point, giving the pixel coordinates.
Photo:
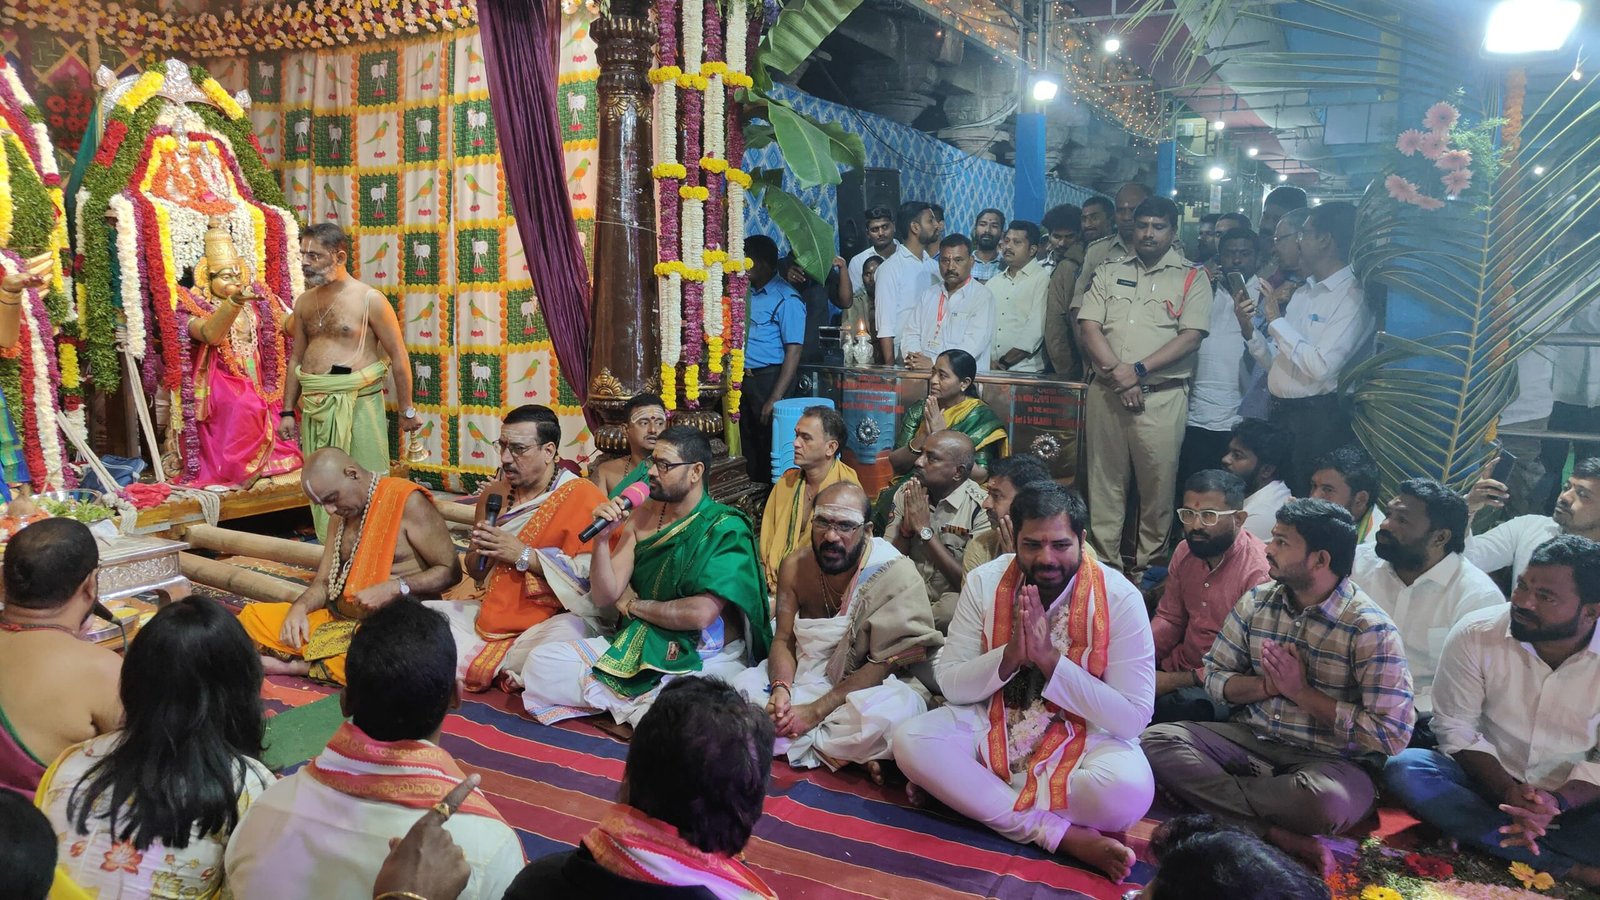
(236, 580)
(260, 546)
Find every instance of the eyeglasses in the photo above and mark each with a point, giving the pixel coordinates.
(1206, 517)
(515, 450)
(662, 466)
(842, 529)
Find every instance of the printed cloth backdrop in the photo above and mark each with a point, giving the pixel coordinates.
(396, 142)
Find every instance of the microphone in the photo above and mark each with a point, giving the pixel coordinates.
(631, 496)
(491, 512)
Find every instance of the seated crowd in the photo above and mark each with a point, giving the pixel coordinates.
(1034, 662)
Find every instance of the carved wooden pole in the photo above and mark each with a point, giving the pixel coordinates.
(626, 353)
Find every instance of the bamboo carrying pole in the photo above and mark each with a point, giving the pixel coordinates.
(235, 580)
(260, 546)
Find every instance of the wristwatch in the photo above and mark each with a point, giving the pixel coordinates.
(525, 559)
(405, 589)
(411, 412)
(926, 533)
(1140, 370)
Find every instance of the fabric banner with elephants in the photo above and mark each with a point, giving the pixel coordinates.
(396, 143)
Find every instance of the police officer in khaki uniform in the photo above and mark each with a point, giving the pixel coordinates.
(1142, 320)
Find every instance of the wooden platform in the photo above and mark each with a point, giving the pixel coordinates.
(268, 495)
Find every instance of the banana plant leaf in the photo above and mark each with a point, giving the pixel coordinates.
(810, 237)
(800, 29)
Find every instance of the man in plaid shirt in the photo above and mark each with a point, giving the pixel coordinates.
(1319, 674)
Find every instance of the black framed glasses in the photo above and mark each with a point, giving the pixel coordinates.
(842, 529)
(660, 465)
(516, 450)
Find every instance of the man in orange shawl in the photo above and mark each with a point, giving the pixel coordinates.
(387, 541)
(1049, 670)
(528, 565)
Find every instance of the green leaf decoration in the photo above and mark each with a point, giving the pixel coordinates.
(800, 29)
(848, 148)
(807, 149)
(758, 135)
(809, 236)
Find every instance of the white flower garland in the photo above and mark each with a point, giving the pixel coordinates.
(715, 147)
(291, 238)
(694, 37)
(736, 200)
(738, 28)
(738, 61)
(671, 301)
(134, 327)
(45, 402)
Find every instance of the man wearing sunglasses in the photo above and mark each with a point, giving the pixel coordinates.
(527, 560)
(855, 632)
(685, 580)
(1217, 562)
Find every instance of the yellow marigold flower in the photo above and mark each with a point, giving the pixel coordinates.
(1377, 892)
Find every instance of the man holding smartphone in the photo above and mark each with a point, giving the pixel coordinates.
(346, 339)
(1219, 370)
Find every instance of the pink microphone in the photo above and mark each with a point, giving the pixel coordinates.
(631, 496)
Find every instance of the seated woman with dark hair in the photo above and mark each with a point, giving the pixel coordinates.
(952, 404)
(146, 811)
(1199, 858)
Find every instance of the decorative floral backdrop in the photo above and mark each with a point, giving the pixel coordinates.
(396, 142)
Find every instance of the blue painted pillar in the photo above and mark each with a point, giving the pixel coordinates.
(1028, 203)
(1166, 168)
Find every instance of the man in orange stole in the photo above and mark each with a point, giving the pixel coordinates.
(529, 565)
(1049, 670)
(387, 541)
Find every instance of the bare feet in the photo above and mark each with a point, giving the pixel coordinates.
(916, 796)
(1109, 855)
(1304, 847)
(275, 666)
(884, 771)
(511, 682)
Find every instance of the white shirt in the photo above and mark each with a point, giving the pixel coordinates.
(901, 280)
(1261, 509)
(1220, 373)
(1536, 393)
(1326, 327)
(1493, 694)
(304, 839)
(858, 264)
(1427, 610)
(1019, 314)
(1118, 705)
(967, 322)
(1510, 544)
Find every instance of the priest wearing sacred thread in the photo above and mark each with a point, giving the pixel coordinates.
(685, 580)
(387, 541)
(1049, 671)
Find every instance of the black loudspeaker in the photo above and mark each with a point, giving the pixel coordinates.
(861, 190)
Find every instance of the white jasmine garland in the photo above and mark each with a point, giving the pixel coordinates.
(736, 199)
(128, 268)
(694, 36)
(738, 28)
(671, 301)
(291, 237)
(44, 401)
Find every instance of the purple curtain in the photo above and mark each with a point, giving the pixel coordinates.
(518, 53)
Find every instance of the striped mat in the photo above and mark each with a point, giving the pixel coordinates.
(822, 835)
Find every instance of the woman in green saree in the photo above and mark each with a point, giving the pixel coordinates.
(952, 404)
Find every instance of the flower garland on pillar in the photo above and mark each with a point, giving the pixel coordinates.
(738, 183)
(693, 82)
(669, 174)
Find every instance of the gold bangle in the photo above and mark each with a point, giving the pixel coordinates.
(406, 895)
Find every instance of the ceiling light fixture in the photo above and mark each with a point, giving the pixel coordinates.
(1112, 44)
(1282, 177)
(1538, 171)
(1045, 87)
(1530, 26)
(1251, 152)
(1216, 173)
(1218, 125)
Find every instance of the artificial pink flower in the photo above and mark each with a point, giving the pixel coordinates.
(1452, 160)
(1432, 145)
(1429, 203)
(1410, 142)
(1457, 181)
(1401, 189)
(1441, 117)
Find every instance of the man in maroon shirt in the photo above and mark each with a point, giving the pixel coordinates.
(1216, 564)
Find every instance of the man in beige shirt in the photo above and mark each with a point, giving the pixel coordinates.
(935, 514)
(1141, 323)
(1019, 302)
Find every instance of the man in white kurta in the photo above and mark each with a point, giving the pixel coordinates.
(855, 633)
(1049, 670)
(958, 313)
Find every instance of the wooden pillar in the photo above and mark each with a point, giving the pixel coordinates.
(626, 356)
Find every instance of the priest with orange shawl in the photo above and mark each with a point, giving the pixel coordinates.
(528, 566)
(387, 541)
(1049, 672)
(786, 522)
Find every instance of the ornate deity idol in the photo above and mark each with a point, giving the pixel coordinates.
(227, 432)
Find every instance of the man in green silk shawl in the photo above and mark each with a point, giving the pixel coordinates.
(685, 579)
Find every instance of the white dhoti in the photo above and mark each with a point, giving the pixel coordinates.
(858, 731)
(942, 752)
(463, 616)
(558, 680)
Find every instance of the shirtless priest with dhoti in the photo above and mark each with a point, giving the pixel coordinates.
(529, 566)
(1049, 669)
(388, 541)
(686, 582)
(855, 633)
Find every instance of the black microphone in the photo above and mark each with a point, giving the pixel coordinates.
(631, 496)
(491, 512)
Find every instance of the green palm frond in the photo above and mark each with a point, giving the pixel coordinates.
(1424, 406)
